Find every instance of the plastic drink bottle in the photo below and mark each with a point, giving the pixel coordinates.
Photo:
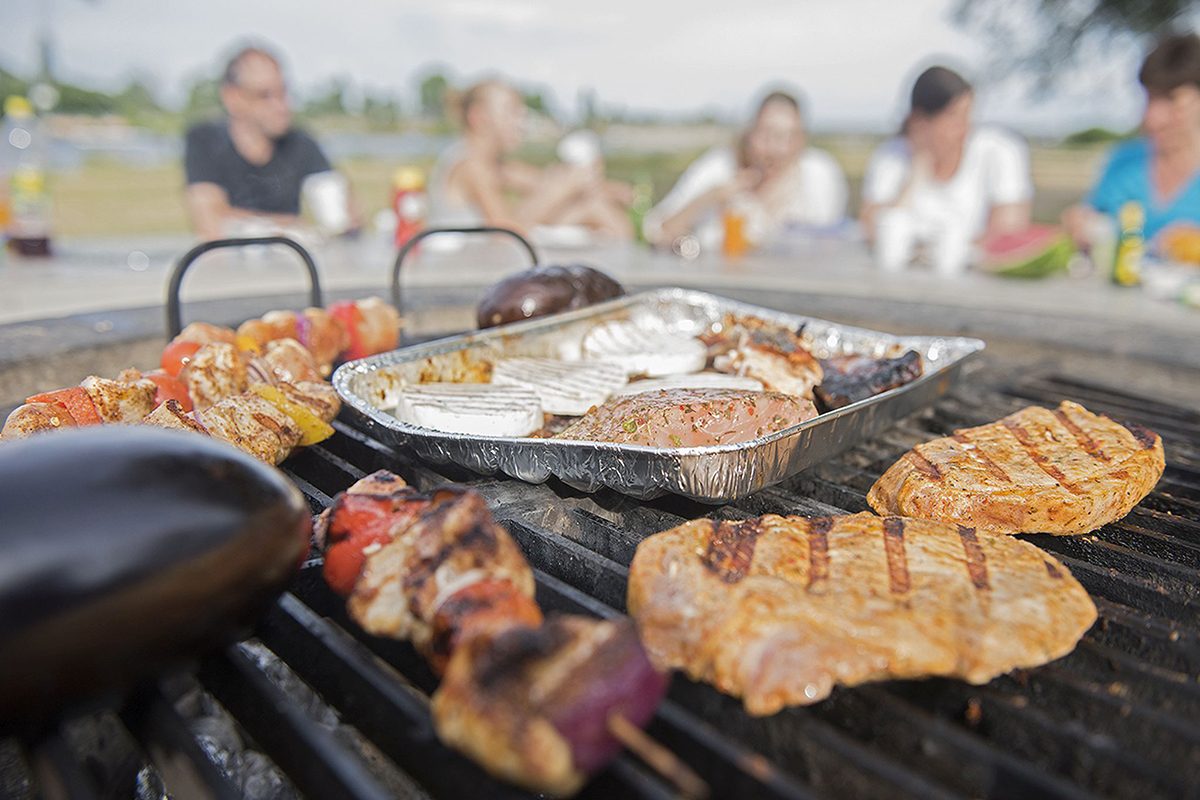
(1127, 264)
(28, 200)
(409, 203)
(643, 198)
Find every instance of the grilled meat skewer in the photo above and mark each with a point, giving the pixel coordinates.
(530, 701)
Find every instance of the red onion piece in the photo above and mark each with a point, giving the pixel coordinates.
(303, 330)
(619, 679)
(260, 372)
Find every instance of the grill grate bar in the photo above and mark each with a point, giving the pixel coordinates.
(1162, 689)
(381, 703)
(314, 760)
(960, 756)
(58, 769)
(1091, 757)
(1111, 396)
(164, 737)
(1038, 732)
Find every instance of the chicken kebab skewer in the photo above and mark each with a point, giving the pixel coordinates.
(265, 406)
(542, 703)
(347, 330)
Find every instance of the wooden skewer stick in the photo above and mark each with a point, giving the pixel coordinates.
(658, 757)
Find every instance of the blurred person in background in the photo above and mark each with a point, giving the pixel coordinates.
(943, 184)
(247, 171)
(772, 178)
(1160, 170)
(476, 180)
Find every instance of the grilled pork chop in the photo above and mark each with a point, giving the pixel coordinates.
(777, 610)
(690, 417)
(1064, 471)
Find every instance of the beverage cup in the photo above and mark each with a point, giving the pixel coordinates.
(579, 148)
(951, 250)
(895, 239)
(327, 196)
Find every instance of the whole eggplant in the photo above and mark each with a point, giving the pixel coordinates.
(545, 290)
(124, 549)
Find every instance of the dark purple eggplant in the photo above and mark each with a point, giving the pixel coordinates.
(545, 290)
(125, 549)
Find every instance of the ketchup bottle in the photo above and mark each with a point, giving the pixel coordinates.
(409, 203)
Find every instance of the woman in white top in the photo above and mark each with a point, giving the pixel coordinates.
(477, 182)
(771, 178)
(943, 185)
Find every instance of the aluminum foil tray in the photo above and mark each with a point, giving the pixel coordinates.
(713, 474)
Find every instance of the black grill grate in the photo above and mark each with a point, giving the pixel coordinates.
(1115, 718)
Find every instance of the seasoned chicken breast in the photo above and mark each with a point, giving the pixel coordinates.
(690, 417)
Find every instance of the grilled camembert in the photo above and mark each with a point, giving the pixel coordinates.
(472, 408)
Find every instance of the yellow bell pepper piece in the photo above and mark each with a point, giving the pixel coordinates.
(247, 344)
(313, 429)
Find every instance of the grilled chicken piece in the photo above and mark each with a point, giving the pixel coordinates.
(127, 399)
(531, 705)
(690, 417)
(253, 425)
(1064, 471)
(290, 361)
(216, 371)
(313, 328)
(171, 415)
(324, 337)
(848, 379)
(378, 482)
(454, 544)
(31, 418)
(379, 329)
(206, 333)
(773, 355)
(317, 396)
(778, 610)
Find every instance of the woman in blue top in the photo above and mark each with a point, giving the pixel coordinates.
(1160, 170)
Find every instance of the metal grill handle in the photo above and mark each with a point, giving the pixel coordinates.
(427, 232)
(174, 321)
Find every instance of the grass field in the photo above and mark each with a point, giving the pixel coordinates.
(105, 198)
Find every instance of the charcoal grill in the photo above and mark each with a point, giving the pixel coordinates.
(1118, 717)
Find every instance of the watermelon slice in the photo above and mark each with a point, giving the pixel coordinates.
(1035, 252)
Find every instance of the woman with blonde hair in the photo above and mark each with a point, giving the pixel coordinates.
(476, 180)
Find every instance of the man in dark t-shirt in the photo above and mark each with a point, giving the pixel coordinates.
(253, 163)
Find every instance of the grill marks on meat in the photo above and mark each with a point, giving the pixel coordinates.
(452, 545)
(1065, 471)
(818, 551)
(877, 598)
(1145, 437)
(976, 560)
(1043, 461)
(731, 550)
(974, 452)
(1085, 441)
(897, 559)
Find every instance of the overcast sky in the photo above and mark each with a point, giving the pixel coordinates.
(852, 58)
